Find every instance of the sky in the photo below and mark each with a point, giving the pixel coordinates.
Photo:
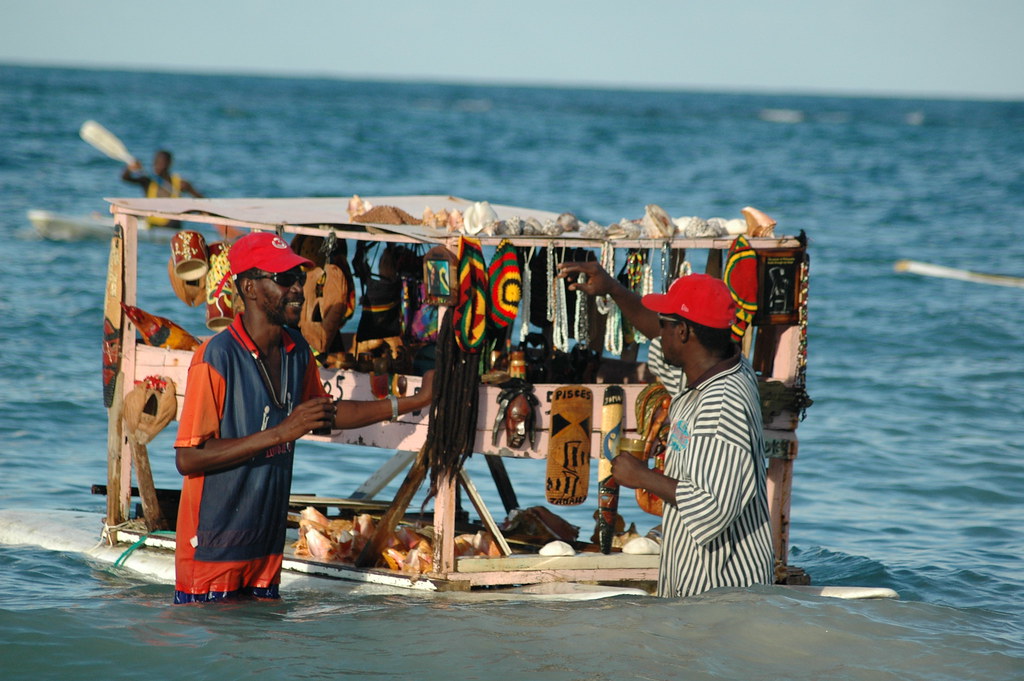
(929, 48)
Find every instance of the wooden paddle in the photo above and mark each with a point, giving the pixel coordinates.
(568, 466)
(106, 142)
(607, 488)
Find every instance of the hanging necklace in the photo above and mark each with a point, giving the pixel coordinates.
(560, 335)
(582, 321)
(552, 306)
(604, 303)
(524, 304)
(257, 356)
(265, 375)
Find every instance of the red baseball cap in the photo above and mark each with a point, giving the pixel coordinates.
(264, 250)
(699, 298)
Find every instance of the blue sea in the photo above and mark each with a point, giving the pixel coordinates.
(910, 472)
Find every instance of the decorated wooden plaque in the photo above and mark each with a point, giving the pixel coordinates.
(568, 467)
(607, 488)
(779, 286)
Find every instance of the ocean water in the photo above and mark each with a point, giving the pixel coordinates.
(911, 466)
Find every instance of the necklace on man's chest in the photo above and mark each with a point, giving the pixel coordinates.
(269, 384)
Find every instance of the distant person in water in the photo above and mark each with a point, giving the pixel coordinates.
(163, 184)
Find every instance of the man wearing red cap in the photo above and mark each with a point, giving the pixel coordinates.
(253, 389)
(715, 525)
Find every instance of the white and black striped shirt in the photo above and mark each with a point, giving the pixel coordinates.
(717, 533)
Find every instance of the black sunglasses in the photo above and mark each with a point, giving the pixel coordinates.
(285, 279)
(671, 319)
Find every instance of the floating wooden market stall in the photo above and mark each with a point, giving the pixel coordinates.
(543, 357)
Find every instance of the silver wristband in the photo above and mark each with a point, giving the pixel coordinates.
(394, 407)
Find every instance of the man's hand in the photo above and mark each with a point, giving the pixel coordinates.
(598, 282)
(631, 472)
(312, 414)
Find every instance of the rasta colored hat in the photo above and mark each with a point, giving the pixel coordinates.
(740, 276)
(699, 298)
(471, 313)
(264, 250)
(506, 285)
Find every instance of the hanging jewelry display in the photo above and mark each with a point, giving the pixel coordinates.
(560, 332)
(605, 306)
(604, 303)
(524, 304)
(551, 307)
(666, 268)
(801, 362)
(640, 280)
(582, 318)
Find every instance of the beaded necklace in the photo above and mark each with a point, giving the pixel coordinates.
(560, 332)
(613, 323)
(582, 320)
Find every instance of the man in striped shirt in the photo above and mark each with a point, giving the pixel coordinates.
(715, 520)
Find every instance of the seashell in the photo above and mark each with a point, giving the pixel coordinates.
(630, 229)
(758, 224)
(531, 225)
(553, 228)
(656, 222)
(616, 231)
(694, 228)
(455, 221)
(642, 546)
(358, 206)
(513, 226)
(477, 216)
(320, 547)
(593, 230)
(720, 226)
(494, 227)
(557, 548)
(432, 219)
(736, 227)
(682, 224)
(569, 222)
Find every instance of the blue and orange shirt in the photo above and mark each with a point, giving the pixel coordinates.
(231, 522)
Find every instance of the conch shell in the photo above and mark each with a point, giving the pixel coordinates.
(357, 206)
(656, 222)
(557, 548)
(642, 546)
(477, 217)
(758, 224)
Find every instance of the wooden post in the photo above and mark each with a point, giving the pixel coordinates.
(444, 526)
(147, 491)
(130, 230)
(115, 513)
(714, 266)
(780, 483)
